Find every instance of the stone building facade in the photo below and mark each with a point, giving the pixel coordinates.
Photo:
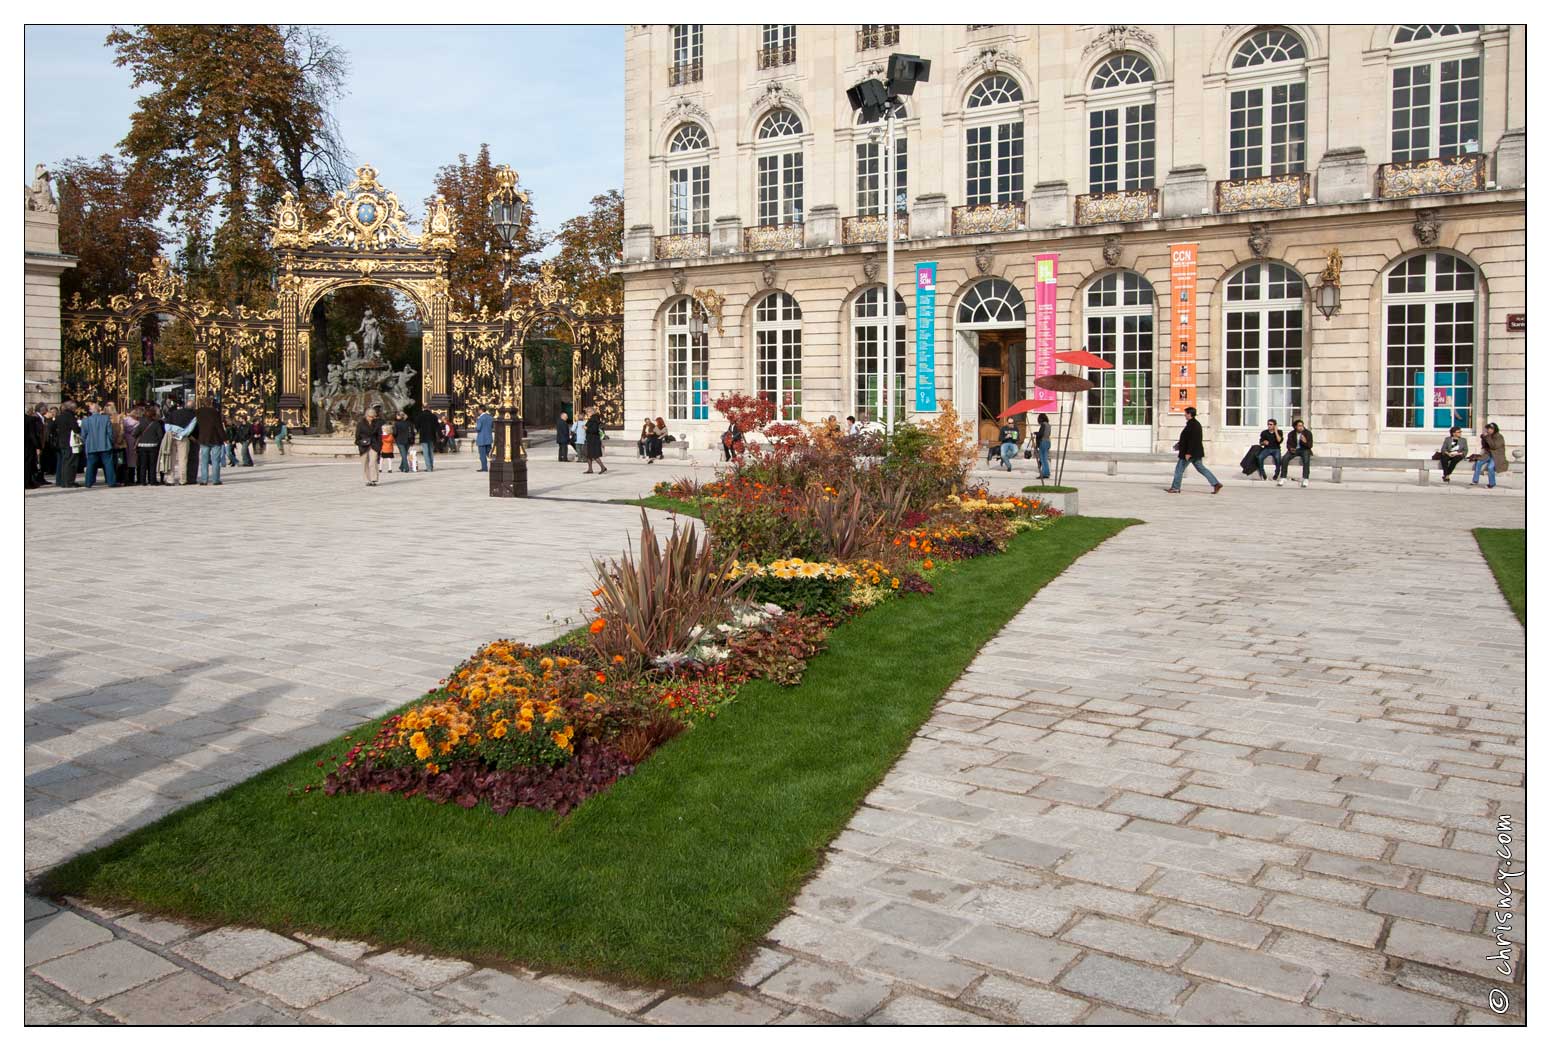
(754, 217)
(43, 266)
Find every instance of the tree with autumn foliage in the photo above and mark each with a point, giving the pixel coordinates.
(475, 270)
(107, 220)
(233, 116)
(592, 245)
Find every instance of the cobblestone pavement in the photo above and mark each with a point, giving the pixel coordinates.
(1224, 769)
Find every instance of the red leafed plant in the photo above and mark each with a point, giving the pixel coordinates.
(749, 412)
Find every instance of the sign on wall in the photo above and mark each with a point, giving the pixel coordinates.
(1044, 328)
(1182, 327)
(926, 334)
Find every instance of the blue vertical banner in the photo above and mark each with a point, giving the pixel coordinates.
(926, 335)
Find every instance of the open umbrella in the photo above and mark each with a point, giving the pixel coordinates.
(1018, 407)
(1083, 358)
(1063, 383)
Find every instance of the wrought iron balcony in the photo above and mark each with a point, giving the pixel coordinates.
(988, 218)
(1118, 206)
(684, 73)
(682, 246)
(779, 55)
(870, 37)
(772, 238)
(1459, 174)
(860, 229)
(1267, 191)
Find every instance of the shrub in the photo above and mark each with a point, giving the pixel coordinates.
(651, 603)
(794, 583)
(845, 526)
(782, 653)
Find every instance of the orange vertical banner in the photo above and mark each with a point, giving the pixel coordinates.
(1182, 327)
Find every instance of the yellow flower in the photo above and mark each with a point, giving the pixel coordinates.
(432, 768)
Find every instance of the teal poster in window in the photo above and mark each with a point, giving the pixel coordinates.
(702, 404)
(926, 333)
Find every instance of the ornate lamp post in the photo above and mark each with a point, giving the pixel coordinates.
(509, 461)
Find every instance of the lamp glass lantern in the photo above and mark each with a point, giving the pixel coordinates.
(1327, 297)
(507, 209)
(696, 322)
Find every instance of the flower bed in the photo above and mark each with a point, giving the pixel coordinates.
(803, 534)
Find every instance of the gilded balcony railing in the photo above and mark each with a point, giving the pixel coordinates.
(682, 246)
(870, 37)
(1439, 175)
(684, 73)
(772, 238)
(1119, 206)
(988, 218)
(1267, 191)
(780, 55)
(860, 229)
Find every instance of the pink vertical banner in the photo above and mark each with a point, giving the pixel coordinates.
(1044, 326)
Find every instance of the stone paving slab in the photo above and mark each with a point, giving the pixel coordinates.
(1199, 779)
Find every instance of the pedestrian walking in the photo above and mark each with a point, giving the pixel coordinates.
(243, 437)
(579, 435)
(1492, 457)
(387, 447)
(37, 429)
(594, 437)
(1453, 450)
(180, 421)
(484, 436)
(97, 440)
(1300, 446)
(1192, 452)
(67, 441)
(129, 471)
(403, 439)
(429, 429)
(149, 437)
(210, 431)
(120, 446)
(368, 442)
(563, 436)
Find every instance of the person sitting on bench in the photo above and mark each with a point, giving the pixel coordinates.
(1300, 446)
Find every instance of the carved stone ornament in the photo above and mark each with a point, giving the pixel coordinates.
(1120, 38)
(775, 96)
(990, 60)
(711, 302)
(983, 259)
(1427, 227)
(870, 266)
(768, 275)
(682, 110)
(1331, 275)
(40, 195)
(1112, 250)
(1259, 238)
(679, 278)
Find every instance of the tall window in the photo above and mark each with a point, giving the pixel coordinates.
(689, 181)
(868, 353)
(993, 142)
(1263, 346)
(1429, 342)
(1267, 106)
(869, 169)
(1119, 318)
(778, 354)
(1121, 125)
(778, 46)
(688, 44)
(778, 169)
(689, 362)
(1435, 92)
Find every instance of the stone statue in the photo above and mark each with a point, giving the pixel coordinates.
(353, 353)
(371, 336)
(398, 388)
(40, 197)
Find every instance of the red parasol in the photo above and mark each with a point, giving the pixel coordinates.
(1085, 359)
(1064, 383)
(1026, 405)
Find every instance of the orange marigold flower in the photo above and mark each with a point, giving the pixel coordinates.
(601, 677)
(619, 658)
(432, 768)
(596, 626)
(927, 564)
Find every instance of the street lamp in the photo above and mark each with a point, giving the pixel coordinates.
(873, 99)
(509, 463)
(1327, 297)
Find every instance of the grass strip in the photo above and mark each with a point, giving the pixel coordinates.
(689, 508)
(1050, 489)
(1505, 551)
(670, 877)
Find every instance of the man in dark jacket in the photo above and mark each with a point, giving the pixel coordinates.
(33, 472)
(1300, 446)
(1192, 451)
(65, 426)
(210, 429)
(181, 420)
(430, 429)
(403, 438)
(484, 436)
(563, 436)
(1270, 446)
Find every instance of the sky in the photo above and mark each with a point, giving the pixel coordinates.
(548, 99)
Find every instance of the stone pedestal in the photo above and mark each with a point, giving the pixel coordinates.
(1512, 166)
(823, 227)
(727, 235)
(931, 216)
(1047, 205)
(1343, 176)
(638, 244)
(1187, 191)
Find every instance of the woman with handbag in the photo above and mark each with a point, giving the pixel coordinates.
(594, 439)
(1451, 453)
(1492, 458)
(368, 442)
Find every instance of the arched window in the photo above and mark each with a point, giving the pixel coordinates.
(778, 354)
(689, 361)
(993, 142)
(868, 328)
(778, 169)
(992, 301)
(869, 167)
(1267, 106)
(1263, 346)
(1118, 316)
(1430, 342)
(1435, 92)
(1121, 125)
(689, 181)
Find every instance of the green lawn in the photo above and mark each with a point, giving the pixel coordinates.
(690, 508)
(1050, 489)
(669, 877)
(1504, 550)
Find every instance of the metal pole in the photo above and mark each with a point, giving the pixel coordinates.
(888, 292)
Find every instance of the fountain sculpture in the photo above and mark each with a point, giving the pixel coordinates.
(360, 380)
